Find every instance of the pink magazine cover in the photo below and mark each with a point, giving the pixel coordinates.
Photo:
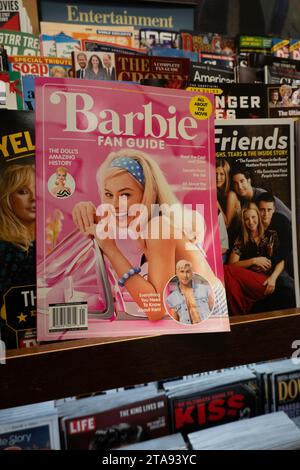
(127, 230)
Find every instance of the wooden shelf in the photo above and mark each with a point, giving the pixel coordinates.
(64, 369)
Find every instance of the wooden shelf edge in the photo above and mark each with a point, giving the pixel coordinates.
(266, 316)
(48, 348)
(77, 367)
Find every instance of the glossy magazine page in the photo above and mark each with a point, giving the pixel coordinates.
(17, 229)
(256, 158)
(128, 240)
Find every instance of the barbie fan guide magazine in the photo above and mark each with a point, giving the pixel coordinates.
(127, 230)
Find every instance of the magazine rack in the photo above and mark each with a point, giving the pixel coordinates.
(64, 369)
(56, 370)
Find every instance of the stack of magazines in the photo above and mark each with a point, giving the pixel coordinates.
(172, 442)
(114, 420)
(275, 431)
(279, 384)
(212, 400)
(30, 427)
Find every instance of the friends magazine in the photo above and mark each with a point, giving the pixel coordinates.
(127, 229)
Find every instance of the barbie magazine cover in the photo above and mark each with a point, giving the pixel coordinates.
(127, 229)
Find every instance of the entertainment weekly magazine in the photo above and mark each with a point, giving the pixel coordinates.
(128, 240)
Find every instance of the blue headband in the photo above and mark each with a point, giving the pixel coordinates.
(132, 166)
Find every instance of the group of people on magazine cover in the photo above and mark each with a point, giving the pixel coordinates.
(256, 237)
(98, 66)
(284, 96)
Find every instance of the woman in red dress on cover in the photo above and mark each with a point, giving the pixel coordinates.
(253, 267)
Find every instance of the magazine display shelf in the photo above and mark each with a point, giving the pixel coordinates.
(62, 369)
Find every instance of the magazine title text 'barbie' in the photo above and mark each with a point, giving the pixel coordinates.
(80, 118)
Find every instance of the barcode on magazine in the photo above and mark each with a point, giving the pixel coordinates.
(68, 316)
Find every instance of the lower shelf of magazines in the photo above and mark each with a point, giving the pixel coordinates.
(57, 370)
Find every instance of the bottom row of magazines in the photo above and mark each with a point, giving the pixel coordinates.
(252, 407)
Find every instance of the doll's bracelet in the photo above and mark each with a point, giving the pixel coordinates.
(127, 275)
